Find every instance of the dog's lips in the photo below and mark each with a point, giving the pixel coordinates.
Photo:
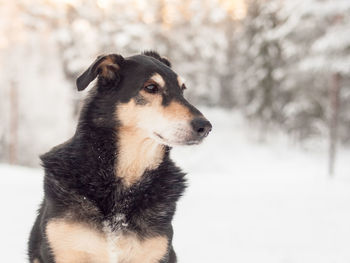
(158, 135)
(193, 142)
(184, 142)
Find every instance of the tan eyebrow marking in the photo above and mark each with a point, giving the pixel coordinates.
(180, 80)
(158, 79)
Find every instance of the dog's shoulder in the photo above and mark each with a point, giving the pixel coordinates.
(78, 182)
(68, 173)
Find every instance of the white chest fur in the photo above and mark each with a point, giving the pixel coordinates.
(79, 243)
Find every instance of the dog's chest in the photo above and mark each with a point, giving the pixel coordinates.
(78, 242)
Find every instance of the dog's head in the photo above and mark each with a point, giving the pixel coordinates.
(143, 93)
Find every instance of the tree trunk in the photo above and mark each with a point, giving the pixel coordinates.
(334, 96)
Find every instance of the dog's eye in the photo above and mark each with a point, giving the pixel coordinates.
(151, 88)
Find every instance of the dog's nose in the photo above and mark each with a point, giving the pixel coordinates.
(201, 126)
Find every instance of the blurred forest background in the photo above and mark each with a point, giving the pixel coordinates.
(283, 64)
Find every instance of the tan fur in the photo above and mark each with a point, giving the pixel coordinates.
(138, 151)
(36, 261)
(79, 243)
(132, 115)
(158, 79)
(146, 251)
(180, 81)
(105, 67)
(177, 111)
(72, 242)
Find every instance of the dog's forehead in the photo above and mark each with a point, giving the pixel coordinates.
(153, 66)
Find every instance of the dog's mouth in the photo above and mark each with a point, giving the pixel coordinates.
(189, 141)
(159, 136)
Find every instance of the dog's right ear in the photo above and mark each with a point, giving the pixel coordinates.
(154, 54)
(105, 67)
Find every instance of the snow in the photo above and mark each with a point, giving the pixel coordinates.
(247, 201)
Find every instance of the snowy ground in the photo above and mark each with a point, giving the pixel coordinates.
(246, 202)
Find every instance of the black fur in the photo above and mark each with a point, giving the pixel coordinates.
(80, 176)
(158, 57)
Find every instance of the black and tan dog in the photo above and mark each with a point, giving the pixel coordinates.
(111, 190)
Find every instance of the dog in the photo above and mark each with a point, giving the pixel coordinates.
(110, 192)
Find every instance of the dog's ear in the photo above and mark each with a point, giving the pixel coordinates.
(105, 67)
(155, 55)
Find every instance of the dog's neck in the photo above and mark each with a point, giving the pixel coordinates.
(136, 154)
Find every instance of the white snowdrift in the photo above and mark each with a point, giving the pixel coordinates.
(246, 202)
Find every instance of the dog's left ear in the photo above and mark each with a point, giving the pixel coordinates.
(106, 67)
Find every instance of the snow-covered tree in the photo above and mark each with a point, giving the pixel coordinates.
(317, 36)
(32, 84)
(278, 65)
(260, 65)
